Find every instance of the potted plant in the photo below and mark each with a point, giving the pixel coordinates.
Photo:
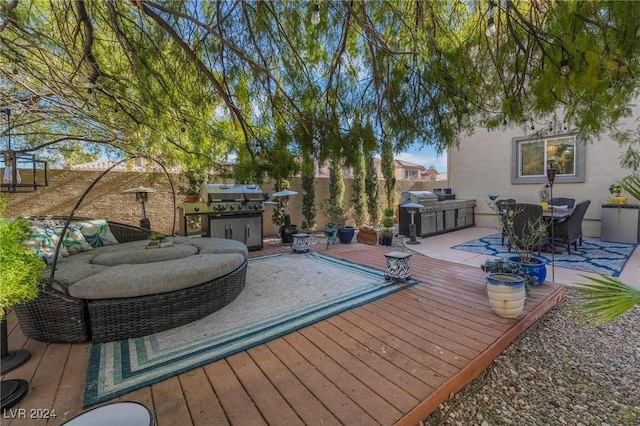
(18, 284)
(504, 265)
(615, 190)
(158, 241)
(386, 236)
(195, 178)
(524, 243)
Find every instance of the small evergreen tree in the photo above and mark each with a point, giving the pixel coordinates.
(371, 188)
(308, 192)
(359, 194)
(335, 203)
(388, 170)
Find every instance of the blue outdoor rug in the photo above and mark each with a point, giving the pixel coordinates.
(283, 293)
(593, 256)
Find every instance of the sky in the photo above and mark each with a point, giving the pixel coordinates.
(424, 156)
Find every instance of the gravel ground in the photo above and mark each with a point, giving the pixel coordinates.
(561, 371)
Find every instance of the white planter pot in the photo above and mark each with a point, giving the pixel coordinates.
(506, 293)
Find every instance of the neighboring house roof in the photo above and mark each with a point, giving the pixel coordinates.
(408, 165)
(135, 165)
(101, 164)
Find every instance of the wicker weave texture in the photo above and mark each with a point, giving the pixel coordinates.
(54, 317)
(118, 319)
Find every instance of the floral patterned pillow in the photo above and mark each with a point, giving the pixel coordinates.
(74, 241)
(96, 232)
(43, 242)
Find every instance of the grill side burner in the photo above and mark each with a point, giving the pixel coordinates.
(435, 217)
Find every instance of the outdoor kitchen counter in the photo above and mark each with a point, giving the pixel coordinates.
(435, 217)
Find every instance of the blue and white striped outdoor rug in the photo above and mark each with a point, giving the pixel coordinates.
(593, 256)
(283, 293)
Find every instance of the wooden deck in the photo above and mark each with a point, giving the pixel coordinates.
(388, 362)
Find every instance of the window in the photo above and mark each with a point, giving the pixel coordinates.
(410, 175)
(532, 157)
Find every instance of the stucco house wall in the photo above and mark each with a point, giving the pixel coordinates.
(482, 165)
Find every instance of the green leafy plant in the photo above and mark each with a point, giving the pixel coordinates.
(194, 178)
(157, 237)
(21, 267)
(387, 222)
(524, 244)
(605, 298)
(615, 189)
(503, 265)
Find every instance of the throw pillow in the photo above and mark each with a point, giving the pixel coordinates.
(43, 242)
(74, 240)
(96, 232)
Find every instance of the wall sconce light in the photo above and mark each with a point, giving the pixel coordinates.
(12, 179)
(315, 15)
(142, 196)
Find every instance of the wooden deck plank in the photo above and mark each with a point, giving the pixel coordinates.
(203, 405)
(306, 405)
(235, 401)
(322, 388)
(264, 395)
(391, 361)
(360, 366)
(169, 401)
(382, 411)
(74, 377)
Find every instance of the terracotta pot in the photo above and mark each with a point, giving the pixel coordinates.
(367, 236)
(191, 198)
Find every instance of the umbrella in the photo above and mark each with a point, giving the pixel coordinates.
(284, 193)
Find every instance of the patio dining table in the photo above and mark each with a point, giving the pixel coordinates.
(557, 214)
(554, 215)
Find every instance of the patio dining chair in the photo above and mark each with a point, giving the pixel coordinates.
(569, 231)
(560, 201)
(525, 220)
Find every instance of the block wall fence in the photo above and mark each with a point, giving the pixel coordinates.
(106, 200)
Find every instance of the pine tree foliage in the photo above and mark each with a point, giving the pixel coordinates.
(200, 81)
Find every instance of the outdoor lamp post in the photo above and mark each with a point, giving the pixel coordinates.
(142, 196)
(551, 177)
(412, 209)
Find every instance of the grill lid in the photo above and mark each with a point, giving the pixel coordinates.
(419, 197)
(216, 192)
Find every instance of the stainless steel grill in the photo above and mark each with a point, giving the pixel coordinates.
(234, 212)
(233, 199)
(435, 216)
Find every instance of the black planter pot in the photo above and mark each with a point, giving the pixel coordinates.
(286, 233)
(345, 235)
(386, 240)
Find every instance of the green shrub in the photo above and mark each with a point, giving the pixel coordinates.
(20, 266)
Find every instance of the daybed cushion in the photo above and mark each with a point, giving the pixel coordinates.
(219, 245)
(162, 277)
(136, 253)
